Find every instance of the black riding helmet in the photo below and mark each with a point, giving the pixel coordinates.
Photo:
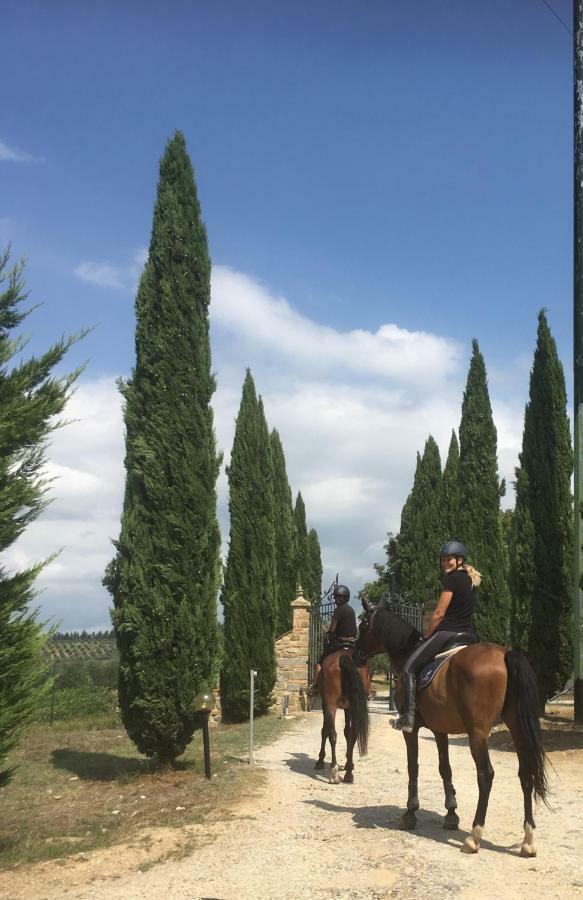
(453, 548)
(341, 591)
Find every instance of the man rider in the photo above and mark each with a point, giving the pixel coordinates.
(452, 616)
(342, 630)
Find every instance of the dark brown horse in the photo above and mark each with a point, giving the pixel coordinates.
(343, 686)
(471, 691)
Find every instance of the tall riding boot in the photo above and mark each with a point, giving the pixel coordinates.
(406, 719)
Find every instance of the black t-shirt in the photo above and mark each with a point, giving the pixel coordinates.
(458, 616)
(345, 619)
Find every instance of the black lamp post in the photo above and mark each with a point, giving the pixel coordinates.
(203, 704)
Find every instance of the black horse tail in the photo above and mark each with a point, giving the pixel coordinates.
(522, 698)
(353, 690)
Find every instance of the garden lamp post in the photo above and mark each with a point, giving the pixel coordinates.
(203, 704)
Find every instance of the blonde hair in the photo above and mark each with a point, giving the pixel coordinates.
(473, 573)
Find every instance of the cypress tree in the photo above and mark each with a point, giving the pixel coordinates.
(164, 578)
(249, 589)
(547, 461)
(521, 564)
(284, 537)
(413, 554)
(480, 492)
(30, 396)
(450, 491)
(315, 567)
(301, 537)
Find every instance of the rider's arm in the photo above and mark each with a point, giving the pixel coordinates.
(333, 624)
(440, 611)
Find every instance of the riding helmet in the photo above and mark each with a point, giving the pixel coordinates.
(453, 548)
(342, 591)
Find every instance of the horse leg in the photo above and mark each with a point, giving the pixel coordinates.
(350, 735)
(331, 722)
(322, 756)
(479, 748)
(409, 819)
(451, 820)
(526, 783)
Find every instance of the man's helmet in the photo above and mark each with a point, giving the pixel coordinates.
(453, 548)
(341, 591)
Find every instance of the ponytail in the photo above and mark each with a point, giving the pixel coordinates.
(475, 576)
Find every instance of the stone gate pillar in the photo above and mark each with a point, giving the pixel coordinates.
(291, 655)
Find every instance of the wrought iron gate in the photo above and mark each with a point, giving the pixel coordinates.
(321, 615)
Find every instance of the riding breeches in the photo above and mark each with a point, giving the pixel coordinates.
(426, 650)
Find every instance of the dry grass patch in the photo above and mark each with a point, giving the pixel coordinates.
(81, 785)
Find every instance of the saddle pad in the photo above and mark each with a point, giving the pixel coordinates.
(427, 673)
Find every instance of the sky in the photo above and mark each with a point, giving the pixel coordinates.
(381, 182)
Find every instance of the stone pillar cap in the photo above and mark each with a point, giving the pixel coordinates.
(300, 601)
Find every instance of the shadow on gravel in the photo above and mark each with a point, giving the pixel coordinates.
(304, 765)
(428, 828)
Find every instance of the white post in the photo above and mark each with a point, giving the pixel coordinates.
(251, 704)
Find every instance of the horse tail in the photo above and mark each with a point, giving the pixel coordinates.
(353, 690)
(522, 695)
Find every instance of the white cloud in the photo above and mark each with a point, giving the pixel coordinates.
(12, 154)
(118, 277)
(352, 408)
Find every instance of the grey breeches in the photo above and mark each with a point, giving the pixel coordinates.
(427, 650)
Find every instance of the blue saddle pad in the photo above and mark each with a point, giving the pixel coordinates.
(427, 673)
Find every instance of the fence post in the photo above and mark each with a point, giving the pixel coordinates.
(53, 691)
(253, 673)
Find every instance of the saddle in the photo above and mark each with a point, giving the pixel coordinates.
(428, 672)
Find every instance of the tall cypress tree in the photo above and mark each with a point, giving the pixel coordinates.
(521, 564)
(315, 567)
(450, 490)
(164, 578)
(413, 554)
(30, 396)
(301, 538)
(547, 462)
(284, 537)
(249, 589)
(480, 492)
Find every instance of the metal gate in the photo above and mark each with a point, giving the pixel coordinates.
(321, 615)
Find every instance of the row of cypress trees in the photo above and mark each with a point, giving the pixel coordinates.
(269, 553)
(524, 555)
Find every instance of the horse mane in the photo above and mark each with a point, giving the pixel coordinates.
(395, 633)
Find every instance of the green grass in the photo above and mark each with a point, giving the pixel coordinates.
(81, 785)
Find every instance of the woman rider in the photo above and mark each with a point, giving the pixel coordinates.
(452, 615)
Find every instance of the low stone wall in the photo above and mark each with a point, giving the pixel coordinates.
(291, 654)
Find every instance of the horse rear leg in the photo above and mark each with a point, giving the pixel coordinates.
(322, 754)
(485, 772)
(409, 819)
(350, 735)
(451, 820)
(526, 781)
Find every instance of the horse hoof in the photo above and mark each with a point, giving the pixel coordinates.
(334, 776)
(319, 764)
(527, 850)
(348, 778)
(451, 822)
(470, 846)
(408, 822)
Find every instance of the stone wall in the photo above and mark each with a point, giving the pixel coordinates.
(291, 654)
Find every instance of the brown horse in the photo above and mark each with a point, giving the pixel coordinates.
(471, 691)
(343, 686)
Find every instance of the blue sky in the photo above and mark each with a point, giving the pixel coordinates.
(375, 164)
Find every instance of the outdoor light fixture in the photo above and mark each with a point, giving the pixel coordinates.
(203, 704)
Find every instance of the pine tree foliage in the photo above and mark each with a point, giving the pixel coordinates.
(301, 537)
(284, 526)
(250, 584)
(30, 398)
(450, 491)
(413, 553)
(165, 576)
(314, 588)
(480, 492)
(546, 464)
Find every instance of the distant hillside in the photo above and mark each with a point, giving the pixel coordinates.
(81, 645)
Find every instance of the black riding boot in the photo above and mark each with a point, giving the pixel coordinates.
(406, 718)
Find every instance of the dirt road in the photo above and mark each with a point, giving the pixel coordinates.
(305, 838)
